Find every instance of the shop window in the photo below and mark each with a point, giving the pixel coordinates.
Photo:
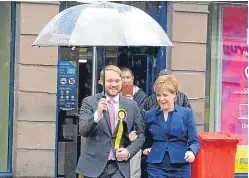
(227, 75)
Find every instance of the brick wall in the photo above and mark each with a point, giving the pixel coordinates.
(187, 27)
(35, 93)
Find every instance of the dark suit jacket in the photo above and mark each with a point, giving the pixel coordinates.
(182, 135)
(99, 138)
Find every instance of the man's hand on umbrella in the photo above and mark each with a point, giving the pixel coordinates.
(102, 106)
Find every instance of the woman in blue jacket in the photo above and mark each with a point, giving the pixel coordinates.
(172, 141)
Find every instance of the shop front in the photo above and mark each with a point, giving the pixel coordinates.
(34, 147)
(228, 79)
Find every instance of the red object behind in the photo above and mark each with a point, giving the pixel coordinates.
(216, 158)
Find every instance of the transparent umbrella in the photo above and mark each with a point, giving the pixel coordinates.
(102, 24)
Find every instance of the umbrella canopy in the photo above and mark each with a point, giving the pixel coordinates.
(102, 24)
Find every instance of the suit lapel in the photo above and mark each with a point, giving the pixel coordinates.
(107, 119)
(116, 129)
(160, 121)
(123, 105)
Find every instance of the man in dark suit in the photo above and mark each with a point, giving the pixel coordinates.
(99, 124)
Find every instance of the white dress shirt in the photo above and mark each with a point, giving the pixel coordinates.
(116, 108)
(135, 89)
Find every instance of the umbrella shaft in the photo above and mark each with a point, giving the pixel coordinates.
(104, 58)
(94, 69)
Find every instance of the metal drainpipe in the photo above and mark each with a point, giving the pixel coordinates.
(154, 65)
(147, 74)
(163, 23)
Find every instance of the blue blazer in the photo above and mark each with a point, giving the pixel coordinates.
(182, 135)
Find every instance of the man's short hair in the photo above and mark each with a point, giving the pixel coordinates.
(110, 67)
(126, 69)
(165, 72)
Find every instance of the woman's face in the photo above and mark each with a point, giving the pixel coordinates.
(165, 99)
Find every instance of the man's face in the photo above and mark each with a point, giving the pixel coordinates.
(113, 83)
(127, 78)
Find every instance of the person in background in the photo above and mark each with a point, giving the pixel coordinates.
(139, 96)
(171, 135)
(182, 99)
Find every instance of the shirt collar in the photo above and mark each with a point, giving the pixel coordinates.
(176, 109)
(115, 98)
(135, 89)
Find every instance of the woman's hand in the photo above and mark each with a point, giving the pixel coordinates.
(129, 96)
(132, 136)
(189, 156)
(146, 151)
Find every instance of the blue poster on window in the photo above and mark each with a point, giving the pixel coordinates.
(67, 85)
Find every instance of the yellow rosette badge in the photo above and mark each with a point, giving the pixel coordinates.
(121, 115)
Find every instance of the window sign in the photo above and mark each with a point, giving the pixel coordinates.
(234, 113)
(67, 85)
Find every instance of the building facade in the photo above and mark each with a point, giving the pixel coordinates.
(203, 48)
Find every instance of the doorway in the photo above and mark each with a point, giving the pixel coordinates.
(141, 60)
(74, 84)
